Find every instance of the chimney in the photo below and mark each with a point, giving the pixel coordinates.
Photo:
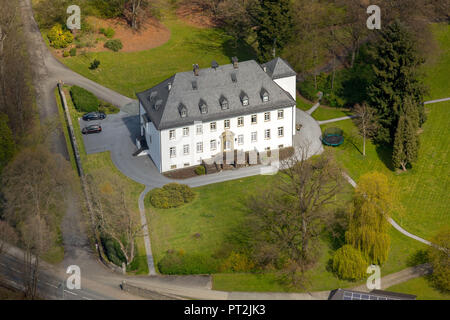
(214, 65)
(235, 62)
(196, 69)
(169, 86)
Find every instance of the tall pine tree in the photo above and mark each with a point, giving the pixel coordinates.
(274, 27)
(406, 142)
(395, 65)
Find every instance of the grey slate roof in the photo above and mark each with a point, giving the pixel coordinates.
(279, 68)
(212, 85)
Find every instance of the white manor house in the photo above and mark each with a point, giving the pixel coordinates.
(197, 115)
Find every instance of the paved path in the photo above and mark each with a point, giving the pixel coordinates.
(148, 247)
(335, 120)
(436, 101)
(313, 108)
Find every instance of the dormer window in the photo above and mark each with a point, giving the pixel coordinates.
(183, 110)
(158, 104)
(233, 77)
(244, 99)
(264, 95)
(224, 103)
(194, 85)
(203, 107)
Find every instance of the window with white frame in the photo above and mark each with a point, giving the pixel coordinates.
(266, 116)
(240, 121)
(226, 124)
(254, 119)
(213, 126)
(280, 114)
(241, 139)
(213, 145)
(199, 129)
(186, 149)
(267, 134)
(199, 147)
(281, 131)
(173, 152)
(185, 132)
(254, 136)
(172, 134)
(174, 166)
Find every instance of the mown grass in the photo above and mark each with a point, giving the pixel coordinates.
(131, 72)
(217, 214)
(103, 160)
(437, 71)
(326, 113)
(422, 191)
(422, 288)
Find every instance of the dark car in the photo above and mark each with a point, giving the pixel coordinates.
(94, 128)
(94, 116)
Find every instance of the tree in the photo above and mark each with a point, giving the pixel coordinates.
(8, 236)
(273, 19)
(287, 221)
(236, 18)
(366, 122)
(135, 11)
(349, 263)
(439, 256)
(395, 65)
(113, 211)
(369, 225)
(37, 239)
(406, 142)
(7, 145)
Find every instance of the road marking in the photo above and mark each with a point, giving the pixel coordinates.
(71, 292)
(51, 285)
(85, 298)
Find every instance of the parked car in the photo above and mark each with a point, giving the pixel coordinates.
(93, 128)
(95, 115)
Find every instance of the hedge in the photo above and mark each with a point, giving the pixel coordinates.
(200, 170)
(171, 195)
(179, 263)
(83, 100)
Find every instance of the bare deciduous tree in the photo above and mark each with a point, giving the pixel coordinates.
(114, 214)
(8, 236)
(366, 122)
(288, 220)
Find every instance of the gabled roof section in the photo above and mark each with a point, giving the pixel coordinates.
(212, 84)
(279, 68)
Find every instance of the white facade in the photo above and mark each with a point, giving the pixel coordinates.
(186, 146)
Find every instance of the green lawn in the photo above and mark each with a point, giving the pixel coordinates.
(422, 288)
(423, 190)
(103, 160)
(326, 113)
(216, 214)
(437, 71)
(131, 72)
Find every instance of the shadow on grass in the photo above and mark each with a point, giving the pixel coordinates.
(385, 155)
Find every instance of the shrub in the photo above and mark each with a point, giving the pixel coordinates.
(83, 100)
(172, 195)
(200, 170)
(94, 65)
(73, 52)
(349, 264)
(440, 260)
(108, 32)
(177, 263)
(59, 38)
(107, 108)
(114, 45)
(112, 251)
(66, 54)
(237, 262)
